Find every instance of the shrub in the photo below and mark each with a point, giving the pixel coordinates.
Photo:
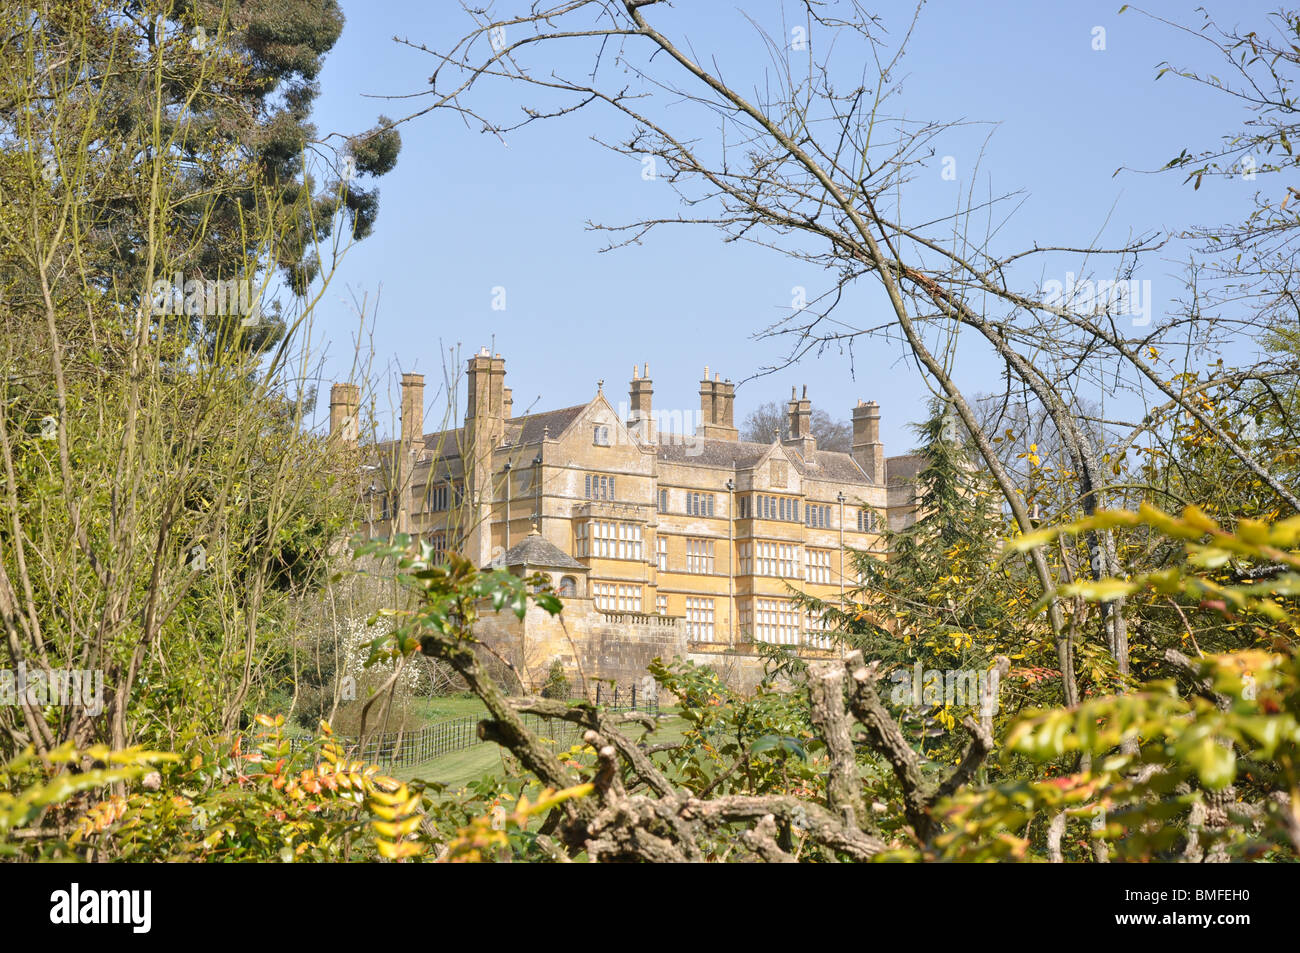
(557, 683)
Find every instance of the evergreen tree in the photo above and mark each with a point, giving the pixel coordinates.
(223, 90)
(938, 587)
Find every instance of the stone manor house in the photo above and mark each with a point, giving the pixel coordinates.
(661, 543)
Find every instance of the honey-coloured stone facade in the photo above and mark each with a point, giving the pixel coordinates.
(693, 537)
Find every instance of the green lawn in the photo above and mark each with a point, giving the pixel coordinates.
(444, 707)
(458, 768)
(461, 767)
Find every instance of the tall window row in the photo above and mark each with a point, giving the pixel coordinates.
(614, 598)
(765, 507)
(699, 504)
(819, 566)
(440, 496)
(816, 631)
(782, 508)
(699, 555)
(600, 486)
(817, 516)
(438, 540)
(699, 620)
(769, 559)
(606, 539)
(776, 621)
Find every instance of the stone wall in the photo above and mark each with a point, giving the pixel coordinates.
(615, 647)
(622, 645)
(591, 645)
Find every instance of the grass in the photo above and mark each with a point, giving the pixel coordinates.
(444, 707)
(459, 768)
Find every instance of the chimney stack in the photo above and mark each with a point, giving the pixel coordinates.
(345, 409)
(717, 408)
(486, 379)
(486, 411)
(413, 412)
(640, 420)
(798, 424)
(706, 401)
(868, 451)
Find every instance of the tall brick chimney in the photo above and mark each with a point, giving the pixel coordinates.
(413, 412)
(345, 410)
(727, 411)
(410, 446)
(486, 390)
(706, 400)
(640, 420)
(868, 451)
(717, 408)
(798, 424)
(485, 417)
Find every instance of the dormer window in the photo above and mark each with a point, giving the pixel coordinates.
(600, 437)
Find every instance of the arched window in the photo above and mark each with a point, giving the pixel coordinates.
(568, 586)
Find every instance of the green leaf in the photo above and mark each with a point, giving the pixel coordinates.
(1214, 763)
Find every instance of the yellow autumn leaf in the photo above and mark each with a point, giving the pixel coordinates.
(399, 850)
(1104, 590)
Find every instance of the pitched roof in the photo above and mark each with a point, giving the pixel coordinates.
(518, 431)
(827, 464)
(905, 467)
(710, 453)
(834, 465)
(450, 443)
(536, 551)
(529, 428)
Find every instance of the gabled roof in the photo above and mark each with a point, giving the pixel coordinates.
(536, 552)
(832, 465)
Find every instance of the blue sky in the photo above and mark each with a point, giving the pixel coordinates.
(463, 214)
